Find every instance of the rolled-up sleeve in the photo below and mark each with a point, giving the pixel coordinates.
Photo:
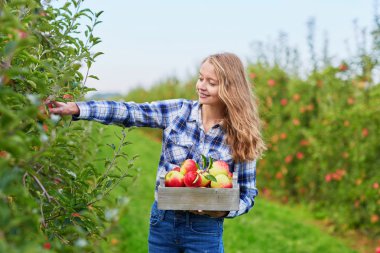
(155, 114)
(247, 183)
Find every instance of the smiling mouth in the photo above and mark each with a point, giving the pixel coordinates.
(203, 95)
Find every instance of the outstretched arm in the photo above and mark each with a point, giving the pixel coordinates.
(156, 114)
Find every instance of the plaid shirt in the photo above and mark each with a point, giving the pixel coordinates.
(183, 137)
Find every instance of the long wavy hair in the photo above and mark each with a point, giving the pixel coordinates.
(241, 123)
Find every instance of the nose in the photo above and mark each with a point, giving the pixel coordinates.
(201, 85)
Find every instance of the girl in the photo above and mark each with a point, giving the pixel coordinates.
(223, 124)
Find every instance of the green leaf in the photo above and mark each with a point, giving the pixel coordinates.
(89, 28)
(109, 183)
(76, 127)
(74, 2)
(86, 89)
(204, 161)
(33, 84)
(126, 143)
(94, 77)
(122, 155)
(97, 54)
(71, 173)
(210, 177)
(107, 163)
(210, 162)
(76, 66)
(10, 47)
(98, 13)
(85, 14)
(86, 10)
(98, 22)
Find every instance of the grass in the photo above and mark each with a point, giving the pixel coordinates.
(268, 227)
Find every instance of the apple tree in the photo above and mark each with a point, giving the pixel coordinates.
(52, 194)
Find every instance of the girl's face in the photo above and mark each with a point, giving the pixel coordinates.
(208, 85)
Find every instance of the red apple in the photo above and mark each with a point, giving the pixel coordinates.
(188, 165)
(192, 179)
(177, 169)
(67, 96)
(222, 181)
(174, 179)
(343, 67)
(47, 245)
(271, 82)
(219, 167)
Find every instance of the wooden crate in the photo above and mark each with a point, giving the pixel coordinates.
(193, 198)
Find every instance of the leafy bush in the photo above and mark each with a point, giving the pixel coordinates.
(52, 196)
(321, 134)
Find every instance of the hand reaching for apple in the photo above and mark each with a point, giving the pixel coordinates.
(69, 108)
(213, 214)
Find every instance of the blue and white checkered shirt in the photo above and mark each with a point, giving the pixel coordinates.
(183, 137)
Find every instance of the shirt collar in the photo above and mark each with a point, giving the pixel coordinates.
(195, 112)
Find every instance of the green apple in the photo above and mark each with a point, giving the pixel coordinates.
(219, 167)
(204, 181)
(222, 181)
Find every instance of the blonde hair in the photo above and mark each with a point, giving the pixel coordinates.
(241, 123)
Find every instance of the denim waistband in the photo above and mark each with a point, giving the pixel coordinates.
(182, 214)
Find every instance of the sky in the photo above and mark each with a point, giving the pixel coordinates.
(145, 42)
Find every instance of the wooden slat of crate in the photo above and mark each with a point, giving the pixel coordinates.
(207, 199)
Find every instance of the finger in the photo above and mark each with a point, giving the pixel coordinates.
(56, 107)
(58, 104)
(56, 110)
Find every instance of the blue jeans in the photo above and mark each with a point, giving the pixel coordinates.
(181, 231)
